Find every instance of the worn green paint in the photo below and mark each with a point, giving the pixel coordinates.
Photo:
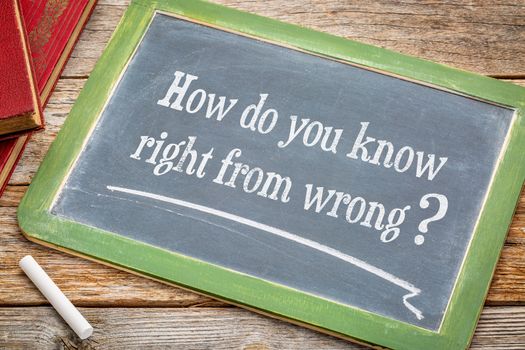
(474, 279)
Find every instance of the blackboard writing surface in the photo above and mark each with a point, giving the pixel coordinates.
(114, 187)
(341, 186)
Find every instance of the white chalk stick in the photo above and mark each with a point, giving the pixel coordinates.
(54, 295)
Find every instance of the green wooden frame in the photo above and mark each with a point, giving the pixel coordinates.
(280, 301)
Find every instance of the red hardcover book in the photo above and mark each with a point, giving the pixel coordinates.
(53, 27)
(19, 105)
(10, 152)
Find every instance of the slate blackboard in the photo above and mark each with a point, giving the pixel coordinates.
(408, 277)
(338, 185)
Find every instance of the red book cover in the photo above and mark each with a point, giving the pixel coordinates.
(53, 27)
(20, 105)
(10, 152)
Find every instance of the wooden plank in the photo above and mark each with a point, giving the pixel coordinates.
(487, 37)
(508, 284)
(159, 328)
(208, 328)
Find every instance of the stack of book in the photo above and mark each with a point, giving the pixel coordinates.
(36, 39)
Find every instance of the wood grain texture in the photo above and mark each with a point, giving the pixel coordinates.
(208, 328)
(482, 36)
(117, 328)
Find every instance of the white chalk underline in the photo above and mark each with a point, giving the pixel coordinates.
(414, 291)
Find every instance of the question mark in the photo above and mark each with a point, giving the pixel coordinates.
(442, 211)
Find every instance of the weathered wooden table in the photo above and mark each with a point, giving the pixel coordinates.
(127, 311)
